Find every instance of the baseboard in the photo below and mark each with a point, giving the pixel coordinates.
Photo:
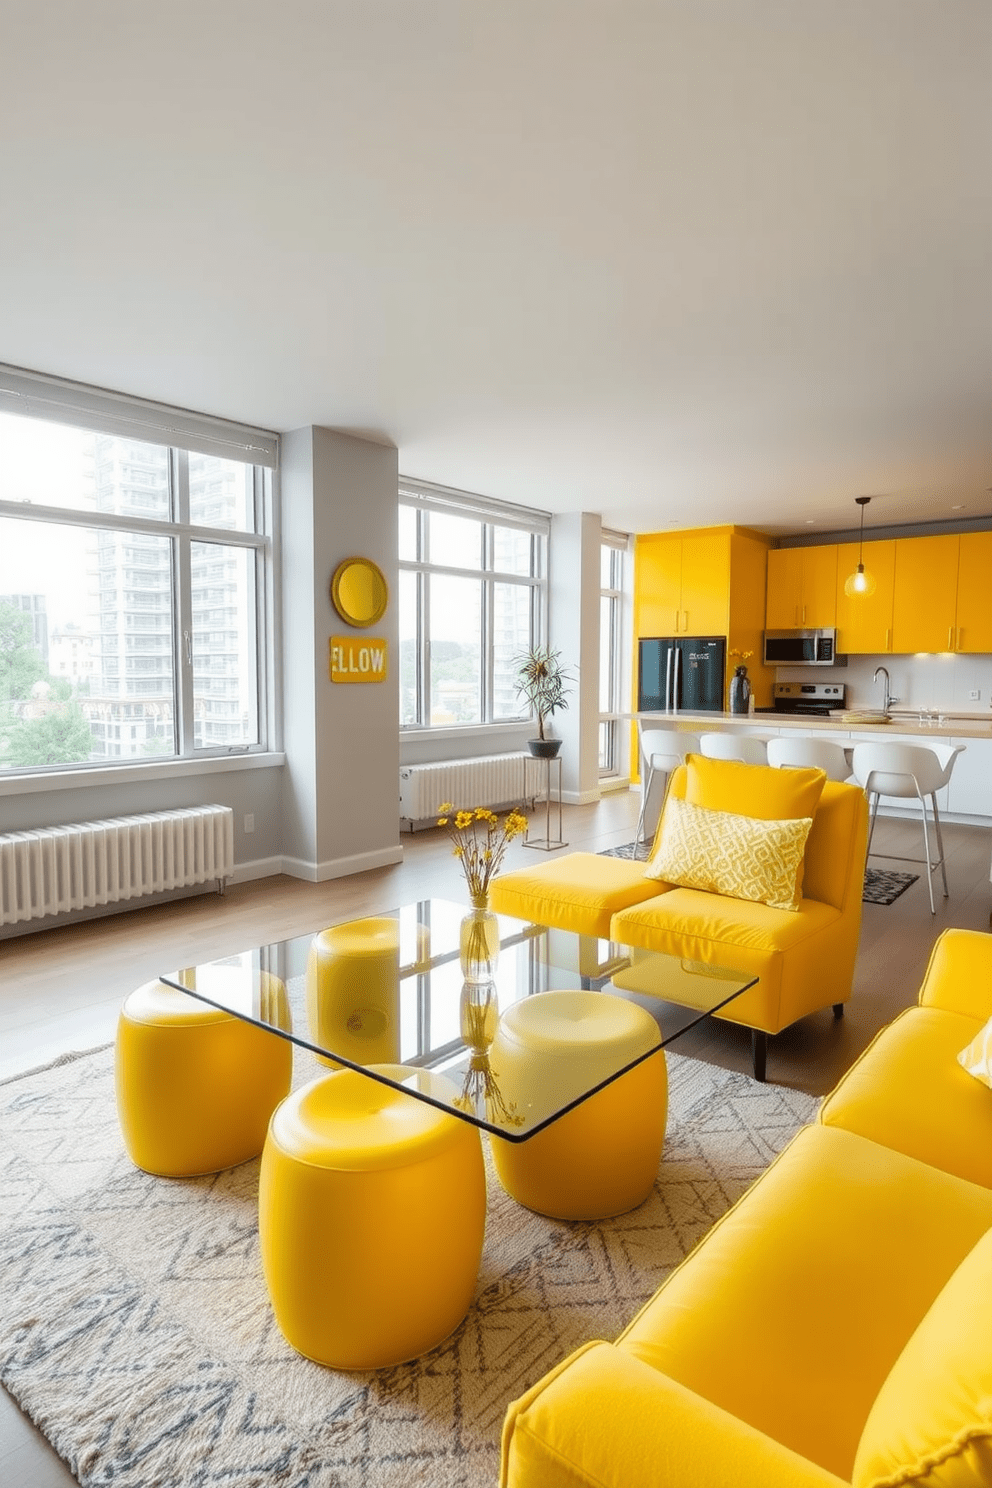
(578, 798)
(382, 857)
(257, 868)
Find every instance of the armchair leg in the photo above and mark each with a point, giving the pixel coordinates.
(759, 1052)
(838, 1010)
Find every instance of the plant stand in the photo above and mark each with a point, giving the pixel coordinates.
(552, 797)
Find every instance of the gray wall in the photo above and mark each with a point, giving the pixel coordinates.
(341, 786)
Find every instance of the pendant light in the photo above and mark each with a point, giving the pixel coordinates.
(860, 582)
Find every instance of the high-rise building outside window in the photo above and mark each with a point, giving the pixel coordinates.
(132, 587)
(472, 599)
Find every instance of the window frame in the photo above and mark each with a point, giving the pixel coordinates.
(425, 499)
(611, 719)
(60, 403)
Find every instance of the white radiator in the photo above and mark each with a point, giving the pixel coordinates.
(56, 869)
(490, 780)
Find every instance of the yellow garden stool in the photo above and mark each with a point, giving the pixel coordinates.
(353, 991)
(196, 1086)
(372, 1212)
(602, 1158)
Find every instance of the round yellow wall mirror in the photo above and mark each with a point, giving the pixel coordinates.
(359, 591)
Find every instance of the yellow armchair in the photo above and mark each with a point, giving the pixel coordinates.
(804, 958)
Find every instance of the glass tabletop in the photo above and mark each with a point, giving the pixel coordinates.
(386, 995)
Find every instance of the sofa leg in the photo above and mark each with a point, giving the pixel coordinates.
(759, 1052)
(838, 1010)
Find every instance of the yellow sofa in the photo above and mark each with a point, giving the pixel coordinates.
(834, 1327)
(804, 959)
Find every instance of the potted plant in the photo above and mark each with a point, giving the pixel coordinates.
(542, 679)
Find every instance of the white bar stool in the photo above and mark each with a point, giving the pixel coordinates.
(820, 754)
(743, 748)
(908, 770)
(661, 751)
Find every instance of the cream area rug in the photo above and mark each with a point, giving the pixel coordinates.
(136, 1332)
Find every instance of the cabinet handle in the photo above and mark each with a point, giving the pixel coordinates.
(685, 622)
(804, 614)
(950, 638)
(888, 639)
(676, 622)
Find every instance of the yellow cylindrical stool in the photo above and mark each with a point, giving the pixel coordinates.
(602, 1158)
(353, 991)
(372, 1211)
(196, 1086)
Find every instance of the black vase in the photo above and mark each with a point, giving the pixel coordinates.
(740, 691)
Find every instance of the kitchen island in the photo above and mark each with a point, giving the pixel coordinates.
(968, 796)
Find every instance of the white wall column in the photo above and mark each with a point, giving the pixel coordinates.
(341, 789)
(574, 631)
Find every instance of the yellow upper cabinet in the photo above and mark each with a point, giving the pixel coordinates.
(974, 607)
(705, 583)
(924, 609)
(802, 588)
(683, 583)
(864, 621)
(657, 584)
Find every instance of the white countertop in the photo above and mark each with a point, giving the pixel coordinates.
(954, 727)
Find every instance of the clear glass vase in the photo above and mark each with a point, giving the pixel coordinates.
(479, 945)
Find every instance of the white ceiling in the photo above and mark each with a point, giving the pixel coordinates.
(678, 263)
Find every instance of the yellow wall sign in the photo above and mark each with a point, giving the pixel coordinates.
(354, 660)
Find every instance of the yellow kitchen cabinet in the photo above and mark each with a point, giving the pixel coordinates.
(705, 583)
(657, 584)
(973, 628)
(864, 621)
(683, 583)
(924, 608)
(802, 588)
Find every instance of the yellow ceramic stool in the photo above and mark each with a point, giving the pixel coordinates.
(602, 1158)
(353, 990)
(372, 1211)
(195, 1085)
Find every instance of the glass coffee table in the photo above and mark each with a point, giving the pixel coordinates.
(388, 991)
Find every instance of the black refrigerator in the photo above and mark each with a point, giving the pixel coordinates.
(681, 672)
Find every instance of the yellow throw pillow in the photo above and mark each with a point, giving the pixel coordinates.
(977, 1058)
(762, 791)
(931, 1422)
(725, 853)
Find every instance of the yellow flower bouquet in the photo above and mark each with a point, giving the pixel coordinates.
(481, 840)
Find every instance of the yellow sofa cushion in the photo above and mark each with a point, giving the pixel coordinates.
(689, 922)
(959, 976)
(977, 1058)
(791, 1310)
(580, 892)
(931, 1422)
(908, 1091)
(761, 791)
(726, 853)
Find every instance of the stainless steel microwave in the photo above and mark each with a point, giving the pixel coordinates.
(801, 648)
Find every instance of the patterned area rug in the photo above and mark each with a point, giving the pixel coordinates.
(136, 1332)
(881, 887)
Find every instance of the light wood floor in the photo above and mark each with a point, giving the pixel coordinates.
(62, 989)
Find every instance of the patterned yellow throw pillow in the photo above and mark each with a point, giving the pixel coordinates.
(977, 1058)
(724, 853)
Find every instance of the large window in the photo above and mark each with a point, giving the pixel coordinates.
(132, 586)
(472, 598)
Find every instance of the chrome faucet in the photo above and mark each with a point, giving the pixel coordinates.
(887, 698)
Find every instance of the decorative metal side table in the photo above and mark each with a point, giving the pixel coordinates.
(547, 842)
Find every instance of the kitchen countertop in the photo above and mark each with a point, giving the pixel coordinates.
(908, 724)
